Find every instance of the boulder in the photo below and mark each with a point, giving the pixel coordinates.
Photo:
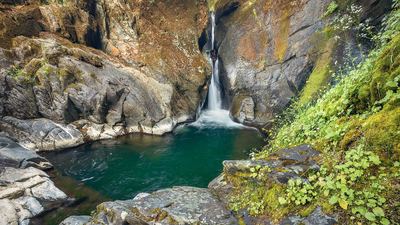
(76, 220)
(41, 134)
(177, 205)
(317, 217)
(14, 155)
(26, 193)
(277, 169)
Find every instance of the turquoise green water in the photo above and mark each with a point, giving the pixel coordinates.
(121, 168)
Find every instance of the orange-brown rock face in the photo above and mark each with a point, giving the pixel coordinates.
(161, 37)
(132, 66)
(269, 49)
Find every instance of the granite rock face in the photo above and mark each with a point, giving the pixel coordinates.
(13, 155)
(268, 50)
(89, 70)
(25, 193)
(76, 220)
(177, 205)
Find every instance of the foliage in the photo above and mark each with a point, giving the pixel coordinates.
(298, 192)
(332, 7)
(19, 73)
(351, 185)
(356, 127)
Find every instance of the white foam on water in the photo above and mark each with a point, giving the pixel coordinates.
(214, 116)
(215, 119)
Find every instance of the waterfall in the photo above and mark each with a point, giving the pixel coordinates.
(213, 115)
(214, 92)
(212, 30)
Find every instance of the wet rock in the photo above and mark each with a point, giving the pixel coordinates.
(178, 205)
(317, 217)
(282, 166)
(221, 189)
(277, 169)
(13, 155)
(234, 166)
(298, 154)
(76, 220)
(41, 134)
(246, 110)
(26, 193)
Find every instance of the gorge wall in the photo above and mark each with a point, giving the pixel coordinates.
(269, 49)
(75, 71)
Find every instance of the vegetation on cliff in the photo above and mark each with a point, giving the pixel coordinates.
(356, 127)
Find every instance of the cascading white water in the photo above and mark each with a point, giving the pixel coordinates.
(214, 114)
(214, 92)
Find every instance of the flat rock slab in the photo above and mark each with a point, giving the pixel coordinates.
(14, 155)
(301, 153)
(76, 220)
(177, 205)
(42, 134)
(26, 193)
(317, 217)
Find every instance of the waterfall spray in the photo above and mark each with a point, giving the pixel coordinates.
(213, 114)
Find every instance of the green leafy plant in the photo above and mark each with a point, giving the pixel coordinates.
(332, 7)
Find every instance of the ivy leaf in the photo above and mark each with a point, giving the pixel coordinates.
(385, 221)
(391, 84)
(333, 200)
(369, 216)
(378, 211)
(282, 201)
(375, 159)
(343, 204)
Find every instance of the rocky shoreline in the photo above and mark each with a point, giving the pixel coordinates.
(26, 191)
(190, 205)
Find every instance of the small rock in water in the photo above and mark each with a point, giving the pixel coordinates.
(76, 220)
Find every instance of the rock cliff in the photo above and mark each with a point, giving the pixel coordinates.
(271, 49)
(75, 71)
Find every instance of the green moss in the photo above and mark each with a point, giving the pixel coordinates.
(355, 125)
(332, 7)
(381, 131)
(304, 212)
(21, 75)
(319, 77)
